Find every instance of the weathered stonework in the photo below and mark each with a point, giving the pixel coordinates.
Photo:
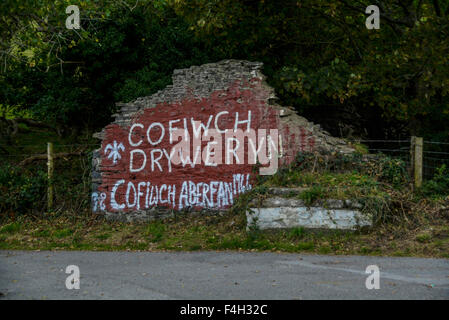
(307, 217)
(278, 212)
(133, 177)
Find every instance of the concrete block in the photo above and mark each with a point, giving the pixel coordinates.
(307, 217)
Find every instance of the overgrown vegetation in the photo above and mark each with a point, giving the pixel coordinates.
(119, 55)
(374, 181)
(23, 185)
(318, 55)
(21, 190)
(60, 85)
(187, 232)
(406, 223)
(439, 185)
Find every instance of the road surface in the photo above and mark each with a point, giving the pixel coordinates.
(217, 275)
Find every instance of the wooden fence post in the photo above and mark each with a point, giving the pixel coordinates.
(416, 151)
(50, 176)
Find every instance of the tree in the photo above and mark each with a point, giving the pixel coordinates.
(320, 52)
(121, 52)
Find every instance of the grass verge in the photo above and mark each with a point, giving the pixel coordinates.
(190, 233)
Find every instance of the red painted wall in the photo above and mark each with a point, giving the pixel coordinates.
(161, 183)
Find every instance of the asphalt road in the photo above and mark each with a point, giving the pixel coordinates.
(217, 275)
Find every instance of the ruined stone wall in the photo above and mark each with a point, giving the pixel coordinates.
(282, 209)
(133, 172)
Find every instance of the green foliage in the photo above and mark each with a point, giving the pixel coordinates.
(296, 233)
(63, 233)
(354, 169)
(42, 233)
(306, 246)
(393, 171)
(315, 52)
(12, 227)
(320, 53)
(439, 184)
(118, 56)
(424, 237)
(155, 231)
(360, 148)
(21, 190)
(311, 195)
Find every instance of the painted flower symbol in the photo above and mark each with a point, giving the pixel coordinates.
(114, 151)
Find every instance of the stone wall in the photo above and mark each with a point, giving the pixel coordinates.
(133, 172)
(282, 210)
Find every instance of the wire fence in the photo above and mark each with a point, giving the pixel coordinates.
(399, 148)
(27, 175)
(21, 152)
(24, 173)
(435, 153)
